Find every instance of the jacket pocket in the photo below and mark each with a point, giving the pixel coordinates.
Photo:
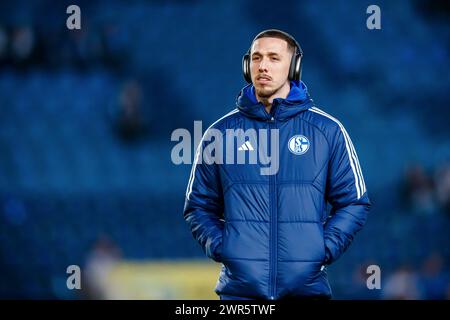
(216, 251)
(324, 247)
(223, 245)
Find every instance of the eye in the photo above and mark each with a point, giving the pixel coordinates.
(275, 58)
(255, 58)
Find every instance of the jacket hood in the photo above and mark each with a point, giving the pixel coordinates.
(298, 100)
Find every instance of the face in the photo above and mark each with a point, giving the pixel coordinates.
(270, 60)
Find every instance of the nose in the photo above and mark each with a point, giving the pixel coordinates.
(263, 65)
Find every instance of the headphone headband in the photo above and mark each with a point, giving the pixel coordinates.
(287, 35)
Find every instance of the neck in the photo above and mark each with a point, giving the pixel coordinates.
(280, 93)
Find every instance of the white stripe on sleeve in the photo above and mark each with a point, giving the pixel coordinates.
(353, 158)
(197, 154)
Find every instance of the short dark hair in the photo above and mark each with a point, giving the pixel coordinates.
(279, 35)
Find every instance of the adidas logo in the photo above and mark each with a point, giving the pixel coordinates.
(246, 146)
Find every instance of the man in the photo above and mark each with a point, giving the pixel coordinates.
(272, 232)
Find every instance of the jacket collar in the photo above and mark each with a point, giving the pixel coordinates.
(298, 100)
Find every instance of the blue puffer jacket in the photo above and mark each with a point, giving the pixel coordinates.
(272, 233)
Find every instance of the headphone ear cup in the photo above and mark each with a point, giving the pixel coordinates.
(246, 68)
(295, 70)
(299, 67)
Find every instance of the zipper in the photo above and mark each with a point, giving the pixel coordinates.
(273, 224)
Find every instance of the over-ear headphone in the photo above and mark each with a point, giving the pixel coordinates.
(295, 70)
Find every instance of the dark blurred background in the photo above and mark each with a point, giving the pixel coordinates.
(86, 176)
